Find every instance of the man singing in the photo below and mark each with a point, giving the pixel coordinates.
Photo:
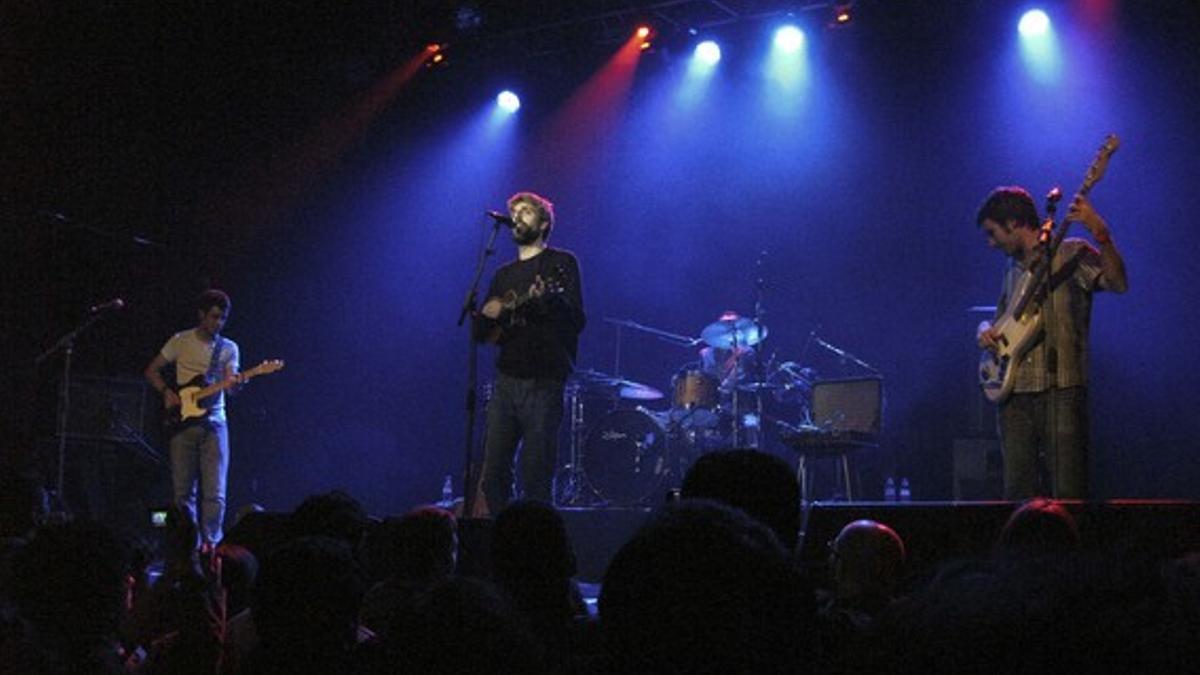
(534, 312)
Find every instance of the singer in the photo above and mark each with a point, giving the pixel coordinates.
(200, 448)
(534, 313)
(1044, 423)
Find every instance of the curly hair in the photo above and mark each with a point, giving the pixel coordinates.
(545, 207)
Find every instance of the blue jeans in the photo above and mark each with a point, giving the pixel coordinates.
(200, 456)
(528, 411)
(1033, 467)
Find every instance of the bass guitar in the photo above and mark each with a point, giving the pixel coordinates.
(194, 395)
(1019, 326)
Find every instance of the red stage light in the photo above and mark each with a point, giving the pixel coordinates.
(433, 47)
(645, 45)
(643, 32)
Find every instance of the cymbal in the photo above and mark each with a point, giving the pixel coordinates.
(636, 391)
(595, 380)
(724, 334)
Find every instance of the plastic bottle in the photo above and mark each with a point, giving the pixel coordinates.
(889, 490)
(905, 491)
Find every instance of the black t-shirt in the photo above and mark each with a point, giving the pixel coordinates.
(540, 337)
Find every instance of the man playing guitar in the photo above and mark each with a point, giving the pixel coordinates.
(1044, 423)
(199, 447)
(534, 312)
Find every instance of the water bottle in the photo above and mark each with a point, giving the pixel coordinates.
(447, 493)
(905, 491)
(889, 490)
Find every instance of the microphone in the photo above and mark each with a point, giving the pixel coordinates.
(500, 218)
(110, 306)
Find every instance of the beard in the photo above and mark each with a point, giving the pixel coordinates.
(524, 235)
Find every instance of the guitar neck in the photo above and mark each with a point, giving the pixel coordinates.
(1042, 272)
(226, 384)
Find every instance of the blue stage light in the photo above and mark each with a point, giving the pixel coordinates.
(508, 101)
(1034, 23)
(789, 39)
(708, 53)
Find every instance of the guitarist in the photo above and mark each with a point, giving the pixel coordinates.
(1054, 371)
(200, 448)
(534, 312)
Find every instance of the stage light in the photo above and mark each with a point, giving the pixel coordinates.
(708, 53)
(645, 45)
(643, 32)
(1034, 23)
(433, 48)
(508, 101)
(841, 15)
(789, 39)
(1039, 47)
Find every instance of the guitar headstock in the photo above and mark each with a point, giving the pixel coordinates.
(556, 281)
(1099, 165)
(265, 368)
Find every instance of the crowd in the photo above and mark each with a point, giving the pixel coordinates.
(710, 584)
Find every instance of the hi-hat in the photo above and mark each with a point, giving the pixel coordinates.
(597, 381)
(725, 333)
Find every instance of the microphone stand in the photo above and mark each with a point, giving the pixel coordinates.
(65, 344)
(845, 355)
(469, 307)
(759, 366)
(672, 338)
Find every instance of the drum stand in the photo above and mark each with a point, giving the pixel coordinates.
(572, 488)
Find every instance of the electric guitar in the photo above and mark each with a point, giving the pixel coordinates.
(553, 284)
(1021, 323)
(194, 395)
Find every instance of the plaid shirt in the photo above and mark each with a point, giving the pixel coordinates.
(1077, 275)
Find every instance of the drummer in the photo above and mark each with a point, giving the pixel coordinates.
(727, 365)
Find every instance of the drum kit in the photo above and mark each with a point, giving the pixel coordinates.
(629, 454)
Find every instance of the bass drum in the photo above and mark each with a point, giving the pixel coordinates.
(625, 457)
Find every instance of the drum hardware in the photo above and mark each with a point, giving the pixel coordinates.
(572, 484)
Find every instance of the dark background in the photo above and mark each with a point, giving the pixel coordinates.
(151, 150)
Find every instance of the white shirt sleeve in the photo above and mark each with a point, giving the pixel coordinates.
(170, 351)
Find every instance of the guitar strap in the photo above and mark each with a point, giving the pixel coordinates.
(211, 375)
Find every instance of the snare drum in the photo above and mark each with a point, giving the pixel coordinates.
(625, 457)
(697, 395)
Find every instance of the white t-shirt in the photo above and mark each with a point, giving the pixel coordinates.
(192, 356)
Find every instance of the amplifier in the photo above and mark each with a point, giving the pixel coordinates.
(108, 409)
